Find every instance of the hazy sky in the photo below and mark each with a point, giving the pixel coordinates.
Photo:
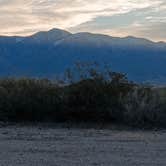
(142, 18)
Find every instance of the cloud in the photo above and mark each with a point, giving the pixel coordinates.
(147, 22)
(24, 17)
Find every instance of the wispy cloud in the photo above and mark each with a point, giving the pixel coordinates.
(24, 17)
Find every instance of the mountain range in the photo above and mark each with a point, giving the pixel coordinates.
(49, 53)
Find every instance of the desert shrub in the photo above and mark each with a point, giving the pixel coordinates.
(28, 99)
(141, 107)
(96, 99)
(108, 98)
(91, 99)
(162, 106)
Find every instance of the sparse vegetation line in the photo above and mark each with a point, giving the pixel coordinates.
(96, 97)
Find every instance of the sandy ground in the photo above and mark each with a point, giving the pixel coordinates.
(48, 146)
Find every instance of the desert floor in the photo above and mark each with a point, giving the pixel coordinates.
(50, 146)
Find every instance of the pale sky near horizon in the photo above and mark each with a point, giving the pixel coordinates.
(141, 18)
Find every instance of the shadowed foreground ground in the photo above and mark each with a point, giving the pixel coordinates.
(48, 146)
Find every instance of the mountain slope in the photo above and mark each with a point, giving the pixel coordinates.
(46, 54)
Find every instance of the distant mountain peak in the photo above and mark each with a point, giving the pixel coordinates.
(136, 38)
(56, 30)
(50, 36)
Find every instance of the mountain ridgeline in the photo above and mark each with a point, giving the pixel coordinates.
(47, 54)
